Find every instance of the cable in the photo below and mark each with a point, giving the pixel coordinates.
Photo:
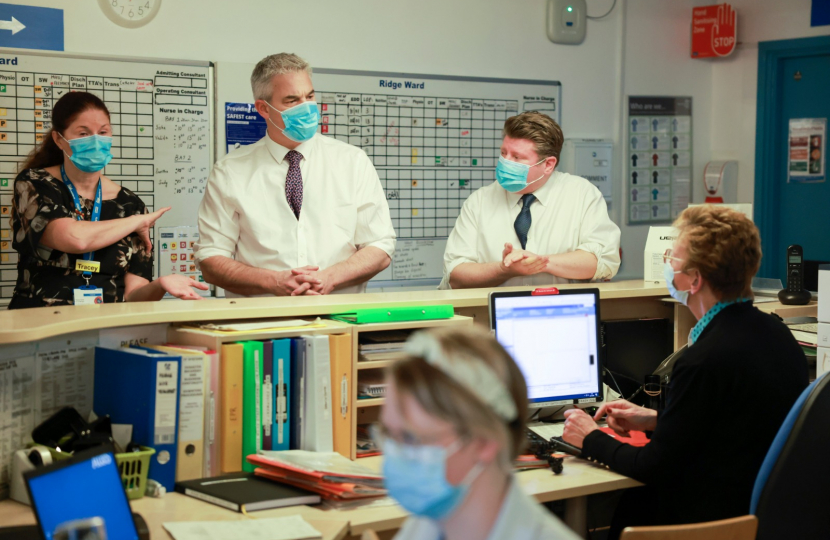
(619, 390)
(554, 413)
(534, 415)
(607, 13)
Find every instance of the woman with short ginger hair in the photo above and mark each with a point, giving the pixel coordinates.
(704, 454)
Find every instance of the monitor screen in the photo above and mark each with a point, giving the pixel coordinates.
(87, 488)
(555, 341)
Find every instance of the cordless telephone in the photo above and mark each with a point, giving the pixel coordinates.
(795, 293)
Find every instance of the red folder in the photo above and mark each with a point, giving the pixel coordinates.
(635, 438)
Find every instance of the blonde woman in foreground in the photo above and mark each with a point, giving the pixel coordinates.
(453, 422)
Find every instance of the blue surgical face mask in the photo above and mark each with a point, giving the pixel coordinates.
(669, 273)
(512, 176)
(416, 477)
(300, 121)
(90, 154)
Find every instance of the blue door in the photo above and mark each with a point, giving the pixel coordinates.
(788, 212)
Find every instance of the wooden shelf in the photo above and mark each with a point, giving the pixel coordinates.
(377, 364)
(372, 402)
(411, 325)
(323, 326)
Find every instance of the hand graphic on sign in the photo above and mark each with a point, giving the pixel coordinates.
(724, 31)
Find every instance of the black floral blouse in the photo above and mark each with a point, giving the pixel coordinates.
(47, 277)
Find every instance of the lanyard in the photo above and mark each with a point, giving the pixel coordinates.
(96, 210)
(707, 318)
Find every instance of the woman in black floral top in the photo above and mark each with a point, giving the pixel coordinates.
(49, 237)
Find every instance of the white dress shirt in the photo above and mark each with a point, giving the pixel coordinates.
(569, 214)
(520, 518)
(245, 215)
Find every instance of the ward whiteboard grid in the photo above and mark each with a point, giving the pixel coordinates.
(430, 153)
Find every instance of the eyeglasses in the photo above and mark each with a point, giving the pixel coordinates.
(380, 434)
(667, 256)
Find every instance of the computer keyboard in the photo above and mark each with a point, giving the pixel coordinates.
(548, 431)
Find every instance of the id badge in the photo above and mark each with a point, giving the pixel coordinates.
(88, 294)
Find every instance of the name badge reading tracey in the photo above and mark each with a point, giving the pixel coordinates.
(87, 266)
(88, 294)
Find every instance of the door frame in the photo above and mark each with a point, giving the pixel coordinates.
(771, 57)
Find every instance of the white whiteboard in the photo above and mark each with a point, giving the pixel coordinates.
(433, 140)
(162, 119)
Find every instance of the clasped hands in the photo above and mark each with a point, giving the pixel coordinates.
(520, 262)
(307, 280)
(622, 416)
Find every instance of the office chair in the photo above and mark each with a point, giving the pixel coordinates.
(791, 496)
(739, 528)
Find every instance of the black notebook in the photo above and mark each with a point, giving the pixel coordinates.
(245, 491)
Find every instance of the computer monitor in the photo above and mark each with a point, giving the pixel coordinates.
(85, 487)
(554, 338)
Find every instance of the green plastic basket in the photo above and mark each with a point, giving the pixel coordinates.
(133, 467)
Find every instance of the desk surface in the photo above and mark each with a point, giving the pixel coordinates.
(579, 478)
(177, 507)
(39, 323)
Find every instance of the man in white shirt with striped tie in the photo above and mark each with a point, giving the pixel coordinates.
(296, 212)
(534, 225)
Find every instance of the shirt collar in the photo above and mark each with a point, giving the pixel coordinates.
(279, 151)
(544, 194)
(515, 515)
(707, 318)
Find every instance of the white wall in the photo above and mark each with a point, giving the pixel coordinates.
(735, 80)
(657, 62)
(642, 48)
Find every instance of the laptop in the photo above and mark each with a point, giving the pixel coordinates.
(81, 498)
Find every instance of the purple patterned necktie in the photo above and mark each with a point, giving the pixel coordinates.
(294, 182)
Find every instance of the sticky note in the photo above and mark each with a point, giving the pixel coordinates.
(4, 233)
(38, 114)
(437, 121)
(414, 183)
(462, 182)
(4, 136)
(38, 89)
(4, 257)
(414, 211)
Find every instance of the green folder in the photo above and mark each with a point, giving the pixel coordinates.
(396, 314)
(252, 365)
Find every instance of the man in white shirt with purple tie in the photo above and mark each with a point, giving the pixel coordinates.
(296, 212)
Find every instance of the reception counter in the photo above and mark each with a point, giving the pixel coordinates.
(619, 300)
